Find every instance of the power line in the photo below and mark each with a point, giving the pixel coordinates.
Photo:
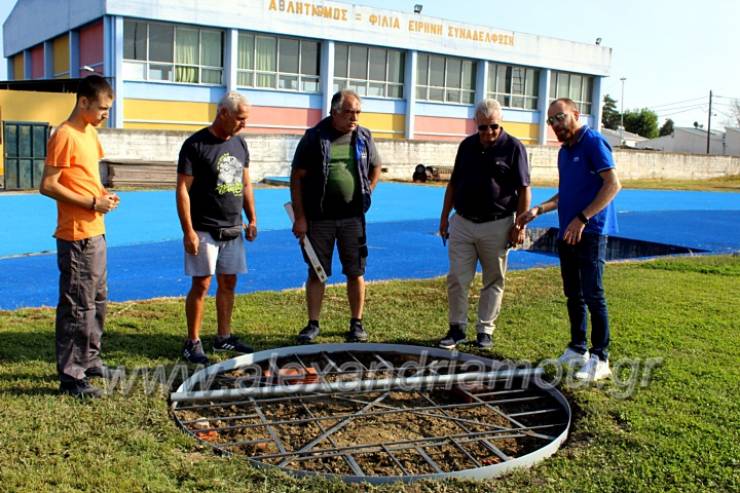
(678, 111)
(701, 108)
(681, 106)
(678, 102)
(678, 108)
(725, 114)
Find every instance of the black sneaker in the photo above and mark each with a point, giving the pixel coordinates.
(104, 372)
(308, 334)
(356, 332)
(80, 389)
(193, 352)
(231, 343)
(454, 336)
(483, 340)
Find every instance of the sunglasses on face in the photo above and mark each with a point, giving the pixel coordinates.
(492, 126)
(557, 117)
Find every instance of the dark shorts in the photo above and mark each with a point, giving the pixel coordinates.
(349, 235)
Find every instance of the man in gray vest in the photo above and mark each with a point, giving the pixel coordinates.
(335, 169)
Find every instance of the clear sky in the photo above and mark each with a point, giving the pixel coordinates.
(671, 52)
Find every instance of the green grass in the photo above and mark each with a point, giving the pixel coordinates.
(721, 184)
(680, 432)
(729, 183)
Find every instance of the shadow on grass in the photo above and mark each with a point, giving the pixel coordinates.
(132, 352)
(42, 382)
(466, 347)
(49, 389)
(27, 346)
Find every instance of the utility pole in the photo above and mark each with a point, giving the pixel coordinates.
(709, 121)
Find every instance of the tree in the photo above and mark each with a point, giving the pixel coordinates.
(735, 113)
(610, 115)
(667, 128)
(643, 122)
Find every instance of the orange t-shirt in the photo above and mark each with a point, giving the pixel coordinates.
(78, 154)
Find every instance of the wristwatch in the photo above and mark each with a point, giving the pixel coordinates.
(582, 217)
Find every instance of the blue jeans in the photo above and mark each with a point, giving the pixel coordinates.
(582, 269)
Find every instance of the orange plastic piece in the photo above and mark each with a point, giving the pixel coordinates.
(294, 376)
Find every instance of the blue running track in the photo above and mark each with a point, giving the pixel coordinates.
(145, 258)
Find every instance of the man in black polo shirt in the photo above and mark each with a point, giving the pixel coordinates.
(488, 187)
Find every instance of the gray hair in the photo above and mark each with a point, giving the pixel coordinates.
(487, 108)
(338, 99)
(231, 101)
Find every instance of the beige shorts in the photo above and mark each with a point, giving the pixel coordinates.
(216, 257)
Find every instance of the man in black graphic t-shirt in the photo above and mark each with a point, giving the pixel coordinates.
(212, 189)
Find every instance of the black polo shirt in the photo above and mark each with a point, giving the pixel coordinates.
(485, 180)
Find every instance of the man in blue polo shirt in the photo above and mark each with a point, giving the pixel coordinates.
(586, 214)
(488, 187)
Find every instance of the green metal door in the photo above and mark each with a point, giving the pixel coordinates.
(25, 152)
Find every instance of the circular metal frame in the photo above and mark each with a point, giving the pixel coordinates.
(275, 391)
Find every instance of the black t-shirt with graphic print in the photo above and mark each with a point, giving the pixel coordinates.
(217, 167)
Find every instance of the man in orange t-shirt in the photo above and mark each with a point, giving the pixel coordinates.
(72, 178)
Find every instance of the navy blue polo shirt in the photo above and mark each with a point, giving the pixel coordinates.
(485, 181)
(579, 166)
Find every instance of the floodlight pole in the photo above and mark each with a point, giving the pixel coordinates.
(621, 115)
(709, 121)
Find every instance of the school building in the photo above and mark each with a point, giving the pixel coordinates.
(170, 61)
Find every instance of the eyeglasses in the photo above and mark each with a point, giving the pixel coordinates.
(492, 126)
(557, 117)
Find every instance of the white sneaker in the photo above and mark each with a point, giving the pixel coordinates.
(573, 358)
(595, 369)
